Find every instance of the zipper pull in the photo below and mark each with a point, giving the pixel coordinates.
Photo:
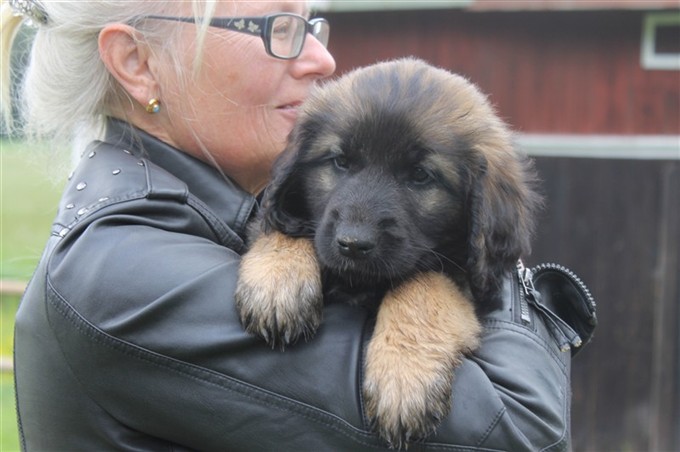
(526, 280)
(526, 277)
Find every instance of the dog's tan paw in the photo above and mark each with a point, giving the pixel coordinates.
(406, 405)
(423, 329)
(279, 295)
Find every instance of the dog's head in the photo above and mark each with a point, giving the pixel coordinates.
(402, 167)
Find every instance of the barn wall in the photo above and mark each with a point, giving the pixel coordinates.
(574, 72)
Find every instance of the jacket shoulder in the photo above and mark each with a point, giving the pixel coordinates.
(108, 174)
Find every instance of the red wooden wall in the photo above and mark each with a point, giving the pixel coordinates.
(495, 5)
(547, 71)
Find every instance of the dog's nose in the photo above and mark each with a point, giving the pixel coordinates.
(354, 247)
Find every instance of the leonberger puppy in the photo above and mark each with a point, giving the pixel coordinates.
(399, 190)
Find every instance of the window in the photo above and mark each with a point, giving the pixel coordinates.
(661, 41)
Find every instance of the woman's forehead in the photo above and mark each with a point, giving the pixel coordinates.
(255, 8)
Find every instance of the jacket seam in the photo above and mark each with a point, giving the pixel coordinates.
(529, 334)
(20, 426)
(244, 214)
(223, 232)
(97, 207)
(50, 292)
(563, 442)
(492, 426)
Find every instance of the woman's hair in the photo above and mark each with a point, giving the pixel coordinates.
(67, 92)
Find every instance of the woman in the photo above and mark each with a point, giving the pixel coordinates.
(127, 337)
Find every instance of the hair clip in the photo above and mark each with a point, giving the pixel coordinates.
(31, 10)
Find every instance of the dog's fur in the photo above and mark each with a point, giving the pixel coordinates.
(400, 185)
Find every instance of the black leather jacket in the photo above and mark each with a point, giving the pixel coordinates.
(127, 337)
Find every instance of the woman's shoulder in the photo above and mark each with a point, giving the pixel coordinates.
(111, 180)
(126, 223)
(108, 174)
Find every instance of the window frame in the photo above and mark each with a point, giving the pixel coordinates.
(650, 58)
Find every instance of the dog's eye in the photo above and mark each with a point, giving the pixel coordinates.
(421, 176)
(341, 162)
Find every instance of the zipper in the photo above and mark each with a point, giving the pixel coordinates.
(564, 333)
(526, 281)
(590, 300)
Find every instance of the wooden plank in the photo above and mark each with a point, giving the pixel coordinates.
(616, 224)
(12, 287)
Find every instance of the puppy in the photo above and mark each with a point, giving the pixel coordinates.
(399, 189)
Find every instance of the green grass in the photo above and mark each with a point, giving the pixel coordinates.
(28, 198)
(9, 436)
(8, 307)
(29, 192)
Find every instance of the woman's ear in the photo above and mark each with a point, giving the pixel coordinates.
(129, 60)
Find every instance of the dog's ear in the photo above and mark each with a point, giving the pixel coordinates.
(284, 207)
(502, 208)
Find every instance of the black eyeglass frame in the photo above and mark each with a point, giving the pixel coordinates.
(259, 26)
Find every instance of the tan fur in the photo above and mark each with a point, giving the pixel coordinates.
(423, 329)
(280, 287)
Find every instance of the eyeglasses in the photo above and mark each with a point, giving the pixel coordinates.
(283, 34)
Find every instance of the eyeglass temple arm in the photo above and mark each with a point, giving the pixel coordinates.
(250, 25)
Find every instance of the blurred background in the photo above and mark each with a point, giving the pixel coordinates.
(592, 88)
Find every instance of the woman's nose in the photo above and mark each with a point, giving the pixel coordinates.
(315, 59)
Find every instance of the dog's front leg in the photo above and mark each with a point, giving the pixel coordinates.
(279, 295)
(423, 329)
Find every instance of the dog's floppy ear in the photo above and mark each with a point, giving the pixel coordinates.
(502, 206)
(284, 207)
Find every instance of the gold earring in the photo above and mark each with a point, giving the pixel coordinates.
(154, 106)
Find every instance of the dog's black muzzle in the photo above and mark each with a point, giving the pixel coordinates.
(364, 231)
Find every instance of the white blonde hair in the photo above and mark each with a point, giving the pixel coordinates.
(67, 92)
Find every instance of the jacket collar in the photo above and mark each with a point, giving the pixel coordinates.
(226, 199)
